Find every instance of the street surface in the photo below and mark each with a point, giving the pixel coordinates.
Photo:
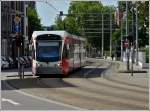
(13, 100)
(86, 89)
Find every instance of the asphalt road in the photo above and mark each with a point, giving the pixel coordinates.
(14, 99)
(84, 88)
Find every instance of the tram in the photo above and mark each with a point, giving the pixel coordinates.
(56, 52)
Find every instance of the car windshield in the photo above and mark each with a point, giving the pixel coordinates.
(48, 51)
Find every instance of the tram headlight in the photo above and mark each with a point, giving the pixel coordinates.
(39, 65)
(58, 64)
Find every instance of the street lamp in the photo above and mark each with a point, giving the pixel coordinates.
(136, 23)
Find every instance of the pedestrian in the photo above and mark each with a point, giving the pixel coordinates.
(105, 56)
(99, 53)
(112, 56)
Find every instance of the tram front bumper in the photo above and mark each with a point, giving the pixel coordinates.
(48, 70)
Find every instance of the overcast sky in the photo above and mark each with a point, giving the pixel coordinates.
(48, 11)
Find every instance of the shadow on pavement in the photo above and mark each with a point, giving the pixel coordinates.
(50, 81)
(15, 70)
(29, 83)
(87, 73)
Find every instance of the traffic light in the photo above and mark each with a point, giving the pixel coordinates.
(18, 41)
(61, 13)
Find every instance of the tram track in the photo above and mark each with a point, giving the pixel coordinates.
(127, 93)
(90, 92)
(108, 90)
(85, 94)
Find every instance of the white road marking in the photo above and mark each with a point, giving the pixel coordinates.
(10, 101)
(43, 99)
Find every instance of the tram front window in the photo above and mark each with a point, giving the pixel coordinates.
(48, 51)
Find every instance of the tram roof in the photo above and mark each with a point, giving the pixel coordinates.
(60, 33)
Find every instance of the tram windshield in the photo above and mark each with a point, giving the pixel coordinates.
(48, 51)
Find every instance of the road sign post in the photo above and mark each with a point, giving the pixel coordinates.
(17, 30)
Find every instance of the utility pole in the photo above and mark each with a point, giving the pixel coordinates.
(136, 35)
(110, 33)
(127, 49)
(149, 31)
(25, 25)
(102, 35)
(126, 18)
(121, 40)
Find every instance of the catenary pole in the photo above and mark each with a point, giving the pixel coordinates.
(110, 33)
(127, 49)
(102, 35)
(136, 34)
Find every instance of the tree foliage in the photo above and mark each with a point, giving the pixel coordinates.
(33, 21)
(85, 17)
(143, 14)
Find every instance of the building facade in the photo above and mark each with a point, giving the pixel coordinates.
(9, 11)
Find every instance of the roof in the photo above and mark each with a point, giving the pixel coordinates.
(59, 32)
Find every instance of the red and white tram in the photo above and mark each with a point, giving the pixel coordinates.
(56, 52)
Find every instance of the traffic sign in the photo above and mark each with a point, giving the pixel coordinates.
(18, 40)
(16, 24)
(17, 28)
(17, 20)
(126, 43)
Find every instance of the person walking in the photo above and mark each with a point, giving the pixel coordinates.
(112, 56)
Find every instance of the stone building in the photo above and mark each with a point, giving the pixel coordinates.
(9, 11)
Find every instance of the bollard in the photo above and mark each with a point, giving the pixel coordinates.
(21, 71)
(132, 59)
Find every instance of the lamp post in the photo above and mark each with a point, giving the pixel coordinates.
(102, 35)
(136, 24)
(127, 49)
(110, 33)
(25, 25)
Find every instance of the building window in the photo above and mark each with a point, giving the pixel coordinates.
(12, 5)
(16, 5)
(22, 8)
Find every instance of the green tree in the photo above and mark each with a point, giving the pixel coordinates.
(84, 19)
(143, 10)
(33, 21)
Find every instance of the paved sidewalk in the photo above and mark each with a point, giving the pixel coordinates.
(138, 79)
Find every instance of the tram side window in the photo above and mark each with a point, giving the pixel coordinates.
(65, 52)
(71, 51)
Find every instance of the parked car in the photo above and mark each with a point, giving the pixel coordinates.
(26, 62)
(4, 62)
(30, 58)
(16, 62)
(22, 60)
(11, 62)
